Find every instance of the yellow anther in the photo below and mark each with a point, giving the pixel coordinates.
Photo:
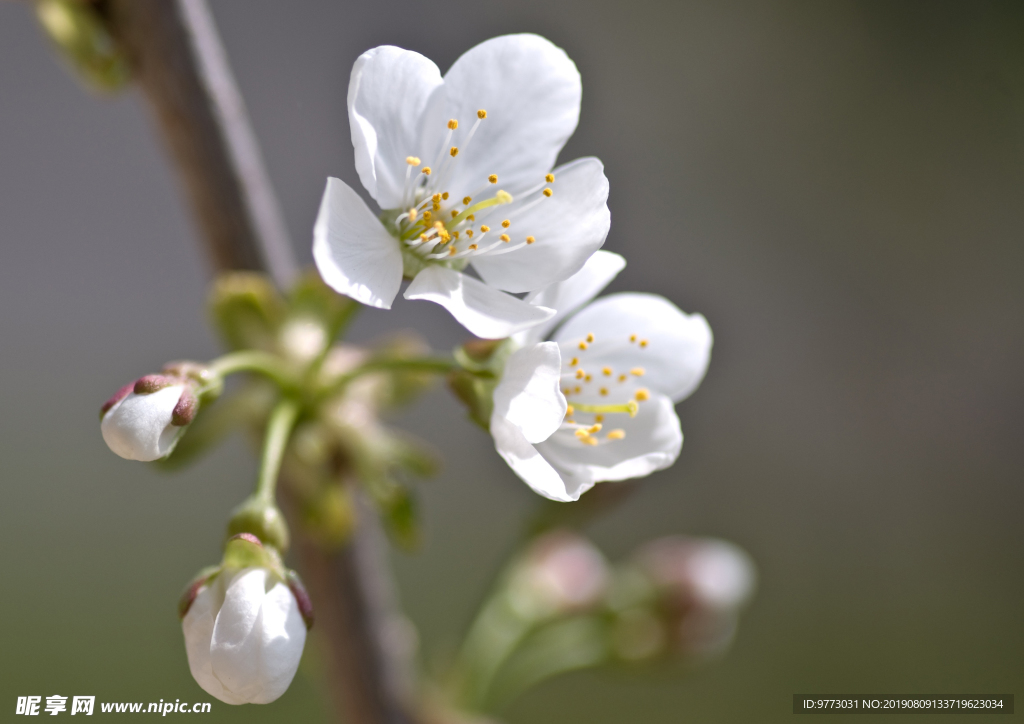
(426, 170)
(642, 395)
(530, 240)
(547, 192)
(472, 247)
(481, 114)
(503, 197)
(426, 217)
(622, 378)
(436, 198)
(484, 228)
(454, 151)
(493, 178)
(566, 391)
(453, 124)
(580, 374)
(594, 429)
(588, 378)
(604, 391)
(445, 196)
(454, 213)
(643, 342)
(590, 337)
(582, 434)
(439, 225)
(471, 217)
(632, 408)
(637, 371)
(598, 418)
(412, 161)
(606, 371)
(632, 338)
(436, 206)
(577, 389)
(469, 233)
(505, 237)
(569, 410)
(506, 223)
(456, 235)
(445, 236)
(465, 201)
(588, 440)
(616, 434)
(423, 237)
(550, 177)
(570, 421)
(574, 361)
(451, 250)
(583, 345)
(412, 214)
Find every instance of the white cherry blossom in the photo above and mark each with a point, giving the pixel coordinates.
(244, 634)
(596, 403)
(144, 420)
(461, 166)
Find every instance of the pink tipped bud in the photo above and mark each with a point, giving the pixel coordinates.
(246, 537)
(301, 597)
(146, 422)
(563, 572)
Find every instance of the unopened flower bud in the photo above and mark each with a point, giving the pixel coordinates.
(261, 519)
(704, 583)
(560, 573)
(144, 422)
(245, 627)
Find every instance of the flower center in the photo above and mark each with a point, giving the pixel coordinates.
(595, 391)
(434, 226)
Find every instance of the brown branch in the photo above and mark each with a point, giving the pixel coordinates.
(180, 65)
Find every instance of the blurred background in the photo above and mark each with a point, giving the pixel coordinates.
(836, 186)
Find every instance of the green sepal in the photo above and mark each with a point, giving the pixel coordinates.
(78, 31)
(247, 310)
(264, 520)
(476, 393)
(246, 551)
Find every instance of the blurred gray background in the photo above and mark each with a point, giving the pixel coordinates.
(837, 186)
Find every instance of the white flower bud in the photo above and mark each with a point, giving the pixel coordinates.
(144, 421)
(561, 572)
(244, 634)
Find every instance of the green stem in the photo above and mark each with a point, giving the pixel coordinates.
(282, 420)
(254, 361)
(409, 364)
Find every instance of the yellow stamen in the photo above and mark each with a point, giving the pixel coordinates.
(616, 434)
(580, 374)
(484, 228)
(588, 378)
(582, 434)
(469, 233)
(530, 240)
(604, 391)
(637, 371)
(506, 223)
(577, 389)
(436, 198)
(472, 247)
(606, 371)
(590, 337)
(455, 151)
(481, 114)
(575, 361)
(598, 418)
(471, 218)
(445, 196)
(451, 250)
(412, 214)
(505, 237)
(412, 161)
(569, 410)
(439, 225)
(453, 124)
(622, 378)
(583, 345)
(642, 394)
(465, 201)
(454, 213)
(546, 192)
(550, 177)
(426, 170)
(594, 429)
(493, 178)
(632, 338)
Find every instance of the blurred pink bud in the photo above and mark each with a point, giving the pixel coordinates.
(704, 583)
(565, 572)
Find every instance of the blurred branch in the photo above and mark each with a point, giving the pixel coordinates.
(180, 65)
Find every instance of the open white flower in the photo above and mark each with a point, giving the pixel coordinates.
(597, 402)
(462, 168)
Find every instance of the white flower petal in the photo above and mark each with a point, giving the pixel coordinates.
(387, 96)
(531, 467)
(354, 253)
(234, 649)
(568, 227)
(566, 297)
(282, 635)
(197, 627)
(528, 395)
(678, 347)
(531, 91)
(652, 442)
(139, 427)
(486, 312)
